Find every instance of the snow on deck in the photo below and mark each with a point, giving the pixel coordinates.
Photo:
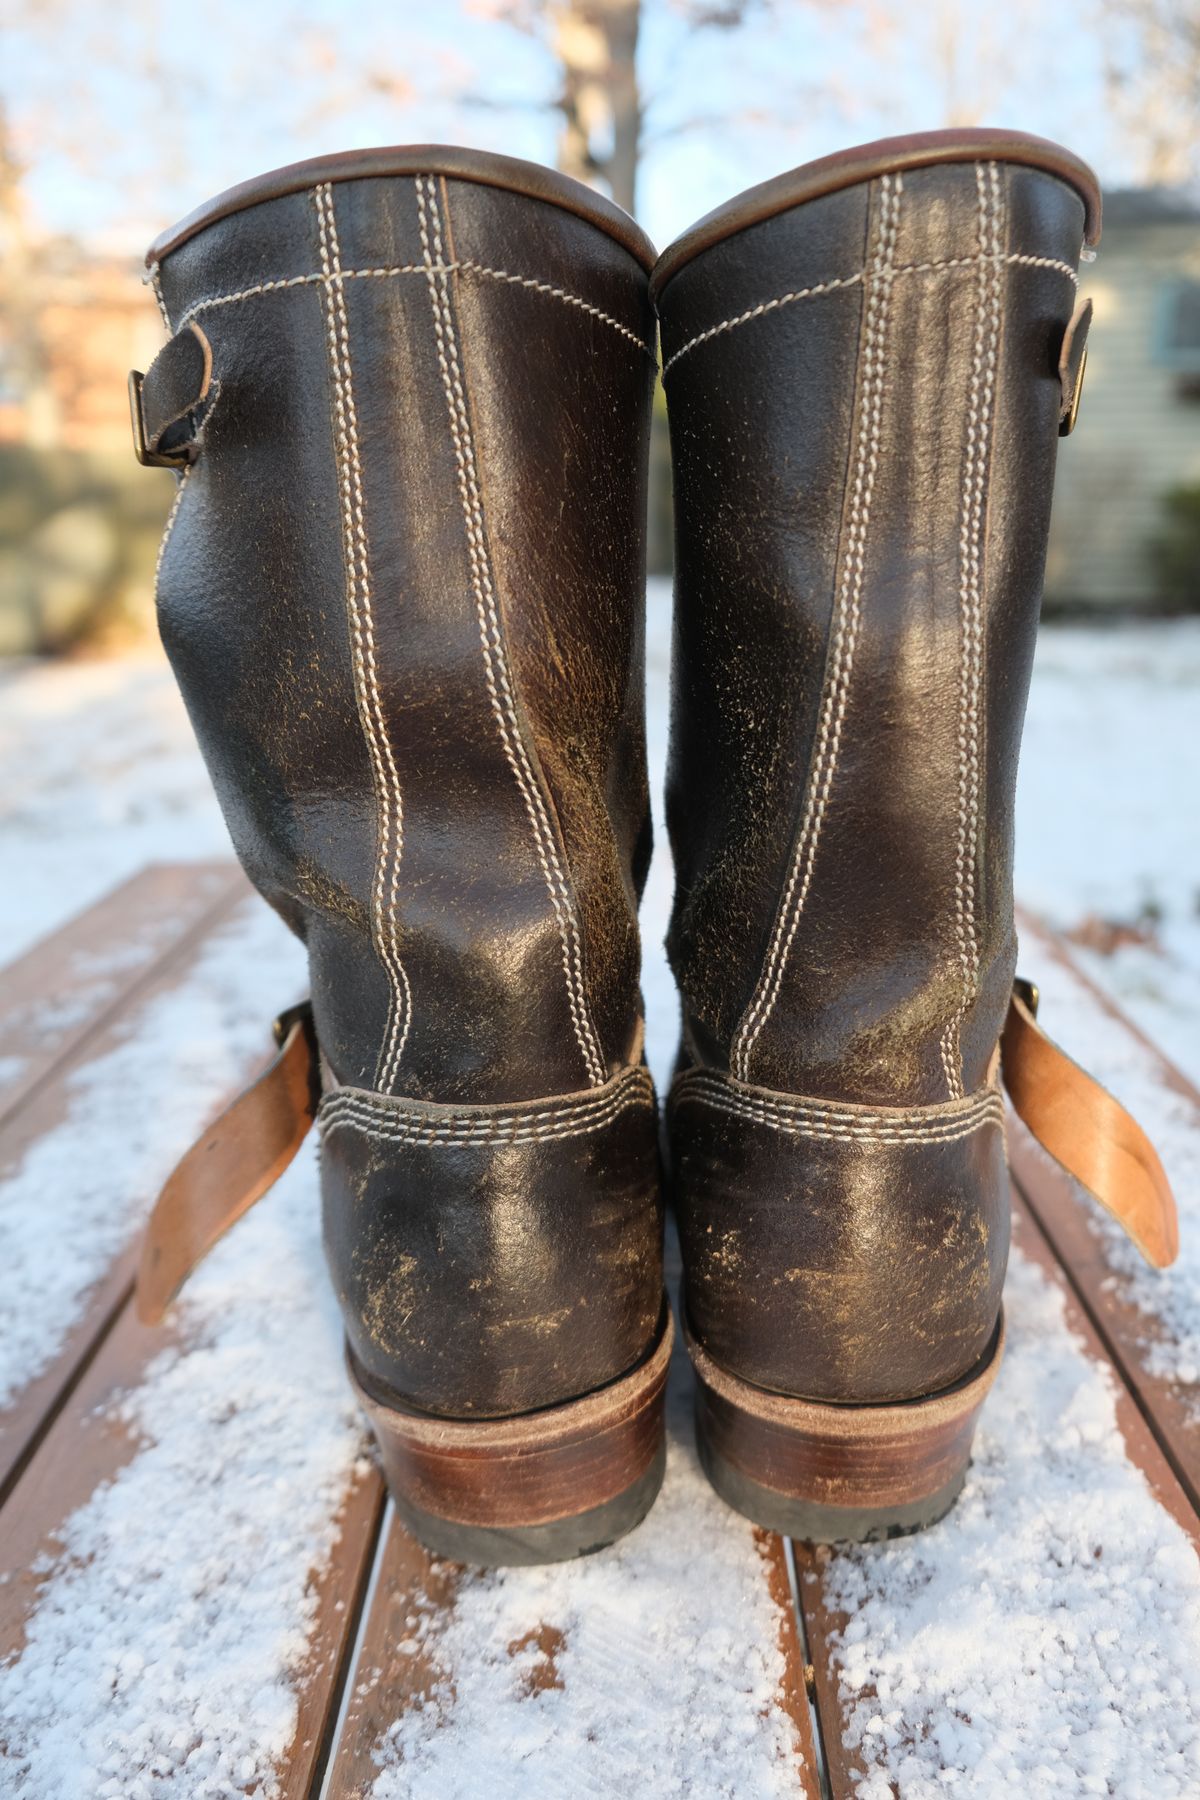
(1044, 1640)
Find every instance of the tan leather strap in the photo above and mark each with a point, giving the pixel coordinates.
(1087, 1132)
(238, 1158)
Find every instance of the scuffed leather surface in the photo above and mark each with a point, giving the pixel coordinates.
(763, 422)
(834, 1268)
(254, 615)
(483, 1279)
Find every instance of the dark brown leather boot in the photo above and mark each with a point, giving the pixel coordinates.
(402, 591)
(868, 363)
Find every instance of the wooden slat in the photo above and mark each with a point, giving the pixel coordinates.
(87, 1446)
(822, 1625)
(1082, 1238)
(24, 1418)
(55, 996)
(391, 1676)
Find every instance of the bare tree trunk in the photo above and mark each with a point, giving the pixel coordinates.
(596, 44)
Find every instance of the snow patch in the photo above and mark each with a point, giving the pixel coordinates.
(79, 1194)
(1044, 1640)
(663, 1660)
(163, 1656)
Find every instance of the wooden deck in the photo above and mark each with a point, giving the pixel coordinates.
(62, 1438)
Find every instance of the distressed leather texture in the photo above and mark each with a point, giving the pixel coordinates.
(864, 405)
(402, 594)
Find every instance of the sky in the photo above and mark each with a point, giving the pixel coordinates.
(126, 117)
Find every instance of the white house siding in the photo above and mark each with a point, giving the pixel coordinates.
(1135, 436)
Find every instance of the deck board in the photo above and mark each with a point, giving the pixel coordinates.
(54, 996)
(1092, 1253)
(225, 892)
(380, 1616)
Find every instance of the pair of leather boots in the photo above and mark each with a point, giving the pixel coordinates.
(409, 395)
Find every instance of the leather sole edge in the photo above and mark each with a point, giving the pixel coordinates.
(540, 1487)
(837, 1474)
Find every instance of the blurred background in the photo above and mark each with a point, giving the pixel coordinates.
(116, 120)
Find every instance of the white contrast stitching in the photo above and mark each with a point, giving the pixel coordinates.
(357, 1112)
(848, 281)
(440, 268)
(154, 276)
(169, 527)
(567, 298)
(491, 636)
(740, 1107)
(707, 1084)
(979, 411)
(386, 1107)
(358, 599)
(845, 632)
(757, 312)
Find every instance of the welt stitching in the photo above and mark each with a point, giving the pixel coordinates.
(848, 281)
(473, 268)
(635, 1082)
(979, 409)
(491, 636)
(848, 613)
(359, 606)
(736, 1107)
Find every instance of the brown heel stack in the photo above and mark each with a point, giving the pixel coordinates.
(540, 1488)
(837, 1474)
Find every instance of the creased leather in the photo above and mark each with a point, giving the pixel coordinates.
(864, 403)
(402, 594)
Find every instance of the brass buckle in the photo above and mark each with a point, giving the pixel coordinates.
(149, 459)
(1028, 992)
(1068, 424)
(301, 1014)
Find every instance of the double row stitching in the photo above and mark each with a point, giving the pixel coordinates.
(362, 628)
(577, 1121)
(383, 1107)
(1013, 258)
(494, 649)
(739, 1107)
(845, 632)
(440, 268)
(979, 414)
(708, 1086)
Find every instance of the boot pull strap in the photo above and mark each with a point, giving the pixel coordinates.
(1087, 1132)
(240, 1156)
(1072, 361)
(169, 404)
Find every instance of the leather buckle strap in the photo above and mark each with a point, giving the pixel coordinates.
(234, 1163)
(1087, 1132)
(169, 404)
(1072, 362)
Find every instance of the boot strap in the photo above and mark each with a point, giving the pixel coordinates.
(247, 1149)
(1087, 1132)
(169, 404)
(240, 1156)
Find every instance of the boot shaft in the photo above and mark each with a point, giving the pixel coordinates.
(864, 403)
(402, 593)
